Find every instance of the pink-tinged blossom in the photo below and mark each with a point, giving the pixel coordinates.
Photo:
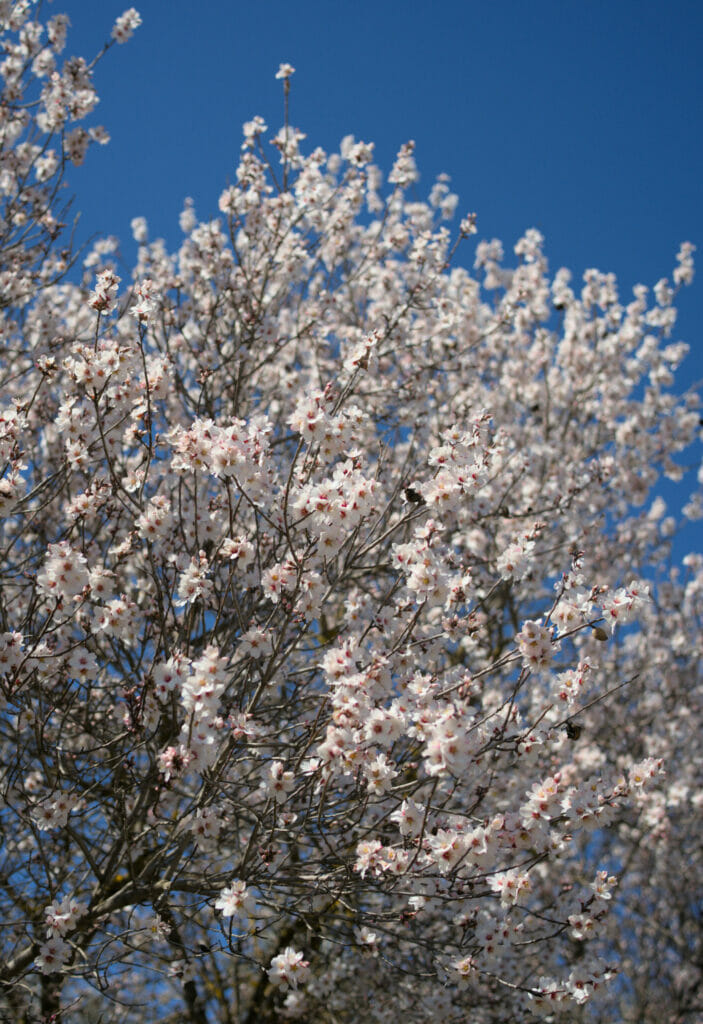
(10, 652)
(625, 604)
(102, 583)
(125, 25)
(410, 817)
(52, 955)
(512, 886)
(82, 665)
(193, 583)
(589, 804)
(278, 579)
(289, 968)
(11, 490)
(202, 689)
(379, 773)
(547, 996)
(62, 917)
(567, 687)
(238, 550)
(157, 520)
(308, 418)
(144, 304)
(640, 774)
(174, 761)
(362, 357)
(56, 31)
(117, 618)
(169, 676)
(103, 297)
(515, 561)
(468, 225)
(384, 727)
(404, 170)
(205, 826)
(535, 644)
(277, 782)
(583, 926)
(603, 885)
(465, 968)
(368, 857)
(12, 423)
(256, 643)
(447, 848)
(571, 611)
(53, 813)
(544, 801)
(65, 575)
(236, 899)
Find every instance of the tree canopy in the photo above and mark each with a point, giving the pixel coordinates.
(347, 671)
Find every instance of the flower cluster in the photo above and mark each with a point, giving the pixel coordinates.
(536, 644)
(288, 968)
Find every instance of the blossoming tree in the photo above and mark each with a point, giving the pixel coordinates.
(342, 675)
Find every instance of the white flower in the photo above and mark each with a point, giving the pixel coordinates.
(139, 228)
(65, 573)
(193, 584)
(277, 782)
(125, 25)
(54, 813)
(409, 817)
(105, 291)
(62, 917)
(236, 898)
(535, 642)
(288, 968)
(511, 885)
(52, 955)
(144, 306)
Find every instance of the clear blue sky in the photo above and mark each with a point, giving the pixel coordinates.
(580, 118)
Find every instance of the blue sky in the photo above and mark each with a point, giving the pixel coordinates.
(582, 119)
